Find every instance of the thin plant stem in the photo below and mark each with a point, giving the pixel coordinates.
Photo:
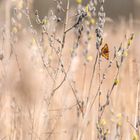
(92, 76)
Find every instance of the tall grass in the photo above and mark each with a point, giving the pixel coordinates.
(56, 81)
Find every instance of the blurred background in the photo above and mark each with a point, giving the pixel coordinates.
(26, 86)
(115, 9)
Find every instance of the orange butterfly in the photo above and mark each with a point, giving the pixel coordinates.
(105, 51)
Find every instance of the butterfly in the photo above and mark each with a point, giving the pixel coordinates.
(105, 52)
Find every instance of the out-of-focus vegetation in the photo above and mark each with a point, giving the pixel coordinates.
(69, 69)
(114, 8)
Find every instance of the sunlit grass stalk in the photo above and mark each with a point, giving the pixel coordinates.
(136, 123)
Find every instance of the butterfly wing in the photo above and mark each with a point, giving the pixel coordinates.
(105, 51)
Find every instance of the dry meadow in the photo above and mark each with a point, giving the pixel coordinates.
(71, 75)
